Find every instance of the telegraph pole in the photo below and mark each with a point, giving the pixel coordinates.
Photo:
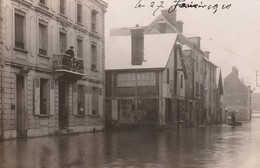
(257, 75)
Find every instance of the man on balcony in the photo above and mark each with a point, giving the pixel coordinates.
(70, 51)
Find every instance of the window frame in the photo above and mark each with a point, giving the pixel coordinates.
(23, 43)
(94, 54)
(45, 35)
(79, 14)
(64, 7)
(94, 20)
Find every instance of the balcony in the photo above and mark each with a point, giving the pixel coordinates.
(67, 67)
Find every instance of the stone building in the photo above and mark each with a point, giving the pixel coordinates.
(198, 99)
(45, 91)
(237, 97)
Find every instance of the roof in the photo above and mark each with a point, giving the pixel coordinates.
(157, 49)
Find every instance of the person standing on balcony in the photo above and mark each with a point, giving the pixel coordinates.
(70, 51)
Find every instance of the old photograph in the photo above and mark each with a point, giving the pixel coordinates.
(130, 83)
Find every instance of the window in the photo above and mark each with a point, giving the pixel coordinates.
(81, 100)
(79, 13)
(201, 67)
(94, 101)
(43, 39)
(44, 96)
(43, 2)
(168, 76)
(63, 42)
(79, 48)
(62, 7)
(197, 89)
(19, 31)
(93, 20)
(93, 56)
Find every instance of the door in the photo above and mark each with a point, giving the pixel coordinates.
(63, 105)
(20, 110)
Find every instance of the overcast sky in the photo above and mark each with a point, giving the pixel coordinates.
(231, 35)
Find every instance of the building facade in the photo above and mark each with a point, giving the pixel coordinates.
(200, 81)
(237, 97)
(146, 87)
(45, 91)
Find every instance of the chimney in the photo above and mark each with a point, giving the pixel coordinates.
(235, 70)
(179, 25)
(137, 36)
(195, 40)
(161, 26)
(206, 54)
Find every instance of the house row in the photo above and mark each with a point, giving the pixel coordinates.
(43, 90)
(156, 76)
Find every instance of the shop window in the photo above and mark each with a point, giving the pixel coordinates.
(94, 101)
(79, 13)
(81, 100)
(43, 39)
(93, 56)
(62, 7)
(62, 41)
(19, 31)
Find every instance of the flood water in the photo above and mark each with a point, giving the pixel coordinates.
(210, 146)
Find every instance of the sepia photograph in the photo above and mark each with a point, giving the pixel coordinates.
(130, 83)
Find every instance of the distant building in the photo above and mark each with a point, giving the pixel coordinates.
(43, 90)
(237, 96)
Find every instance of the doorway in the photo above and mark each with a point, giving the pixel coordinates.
(20, 110)
(63, 105)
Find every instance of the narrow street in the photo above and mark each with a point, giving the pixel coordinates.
(210, 146)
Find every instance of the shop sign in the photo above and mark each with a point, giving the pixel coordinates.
(136, 79)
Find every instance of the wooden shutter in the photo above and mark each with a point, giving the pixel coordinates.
(75, 99)
(90, 100)
(100, 102)
(52, 96)
(86, 101)
(37, 96)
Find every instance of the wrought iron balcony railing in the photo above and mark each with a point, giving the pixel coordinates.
(68, 63)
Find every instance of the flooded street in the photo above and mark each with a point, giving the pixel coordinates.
(211, 146)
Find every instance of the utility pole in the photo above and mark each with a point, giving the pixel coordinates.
(257, 75)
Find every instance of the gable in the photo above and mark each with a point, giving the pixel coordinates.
(233, 85)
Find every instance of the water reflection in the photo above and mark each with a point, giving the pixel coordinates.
(215, 146)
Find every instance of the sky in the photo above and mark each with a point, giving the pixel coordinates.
(231, 35)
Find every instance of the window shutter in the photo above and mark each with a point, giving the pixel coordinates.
(86, 101)
(75, 99)
(90, 100)
(100, 102)
(37, 96)
(52, 97)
